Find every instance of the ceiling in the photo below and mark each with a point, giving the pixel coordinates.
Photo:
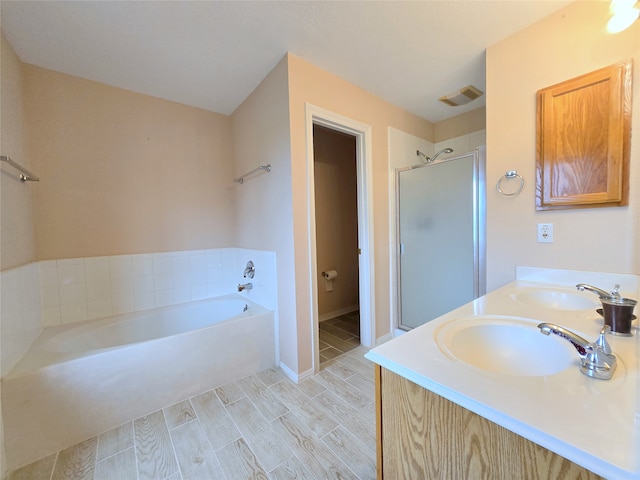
(213, 54)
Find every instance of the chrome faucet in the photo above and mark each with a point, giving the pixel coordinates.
(598, 291)
(245, 286)
(596, 359)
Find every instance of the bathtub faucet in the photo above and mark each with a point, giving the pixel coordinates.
(245, 286)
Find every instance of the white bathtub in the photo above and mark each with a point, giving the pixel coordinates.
(78, 381)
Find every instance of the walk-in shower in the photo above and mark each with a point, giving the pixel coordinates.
(440, 235)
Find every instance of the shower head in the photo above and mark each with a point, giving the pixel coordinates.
(431, 159)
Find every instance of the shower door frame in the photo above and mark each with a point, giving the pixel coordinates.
(362, 132)
(479, 231)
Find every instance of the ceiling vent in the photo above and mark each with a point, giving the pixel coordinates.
(462, 96)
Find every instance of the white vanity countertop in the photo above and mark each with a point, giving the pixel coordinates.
(594, 423)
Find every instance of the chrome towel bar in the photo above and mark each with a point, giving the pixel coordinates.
(25, 175)
(240, 179)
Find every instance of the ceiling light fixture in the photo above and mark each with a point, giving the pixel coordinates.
(462, 96)
(623, 15)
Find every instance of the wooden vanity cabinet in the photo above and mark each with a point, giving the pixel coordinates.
(421, 435)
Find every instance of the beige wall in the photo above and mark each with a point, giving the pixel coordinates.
(124, 173)
(569, 43)
(260, 131)
(310, 84)
(17, 234)
(336, 212)
(459, 125)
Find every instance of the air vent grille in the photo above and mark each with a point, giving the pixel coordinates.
(462, 96)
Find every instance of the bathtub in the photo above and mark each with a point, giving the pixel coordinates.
(77, 381)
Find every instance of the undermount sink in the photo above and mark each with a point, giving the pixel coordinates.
(555, 298)
(504, 345)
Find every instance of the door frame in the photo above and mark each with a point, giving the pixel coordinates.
(315, 115)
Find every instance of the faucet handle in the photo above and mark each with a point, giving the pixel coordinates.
(616, 290)
(602, 341)
(599, 362)
(250, 270)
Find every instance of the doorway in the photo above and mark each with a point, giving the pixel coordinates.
(361, 134)
(336, 215)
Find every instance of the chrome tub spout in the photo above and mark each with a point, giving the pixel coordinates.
(245, 286)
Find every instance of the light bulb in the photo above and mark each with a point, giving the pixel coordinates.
(623, 18)
(620, 5)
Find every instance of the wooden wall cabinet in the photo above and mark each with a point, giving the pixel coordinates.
(424, 436)
(584, 140)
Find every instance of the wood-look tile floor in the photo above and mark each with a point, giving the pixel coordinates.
(261, 427)
(339, 335)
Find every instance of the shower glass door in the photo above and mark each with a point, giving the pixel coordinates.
(441, 218)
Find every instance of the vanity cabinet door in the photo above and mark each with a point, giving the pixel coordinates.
(424, 436)
(583, 140)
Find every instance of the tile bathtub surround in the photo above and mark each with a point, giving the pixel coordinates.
(78, 289)
(20, 307)
(55, 292)
(262, 426)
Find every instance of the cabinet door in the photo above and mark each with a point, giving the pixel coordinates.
(583, 140)
(424, 436)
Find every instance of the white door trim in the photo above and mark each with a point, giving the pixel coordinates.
(362, 132)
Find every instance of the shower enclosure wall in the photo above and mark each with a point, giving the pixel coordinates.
(441, 236)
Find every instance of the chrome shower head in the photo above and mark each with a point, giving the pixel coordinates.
(444, 150)
(431, 159)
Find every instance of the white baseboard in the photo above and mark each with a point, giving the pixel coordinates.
(303, 375)
(336, 313)
(293, 375)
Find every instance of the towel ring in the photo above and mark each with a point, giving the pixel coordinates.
(507, 176)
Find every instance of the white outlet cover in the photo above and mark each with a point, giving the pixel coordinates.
(545, 233)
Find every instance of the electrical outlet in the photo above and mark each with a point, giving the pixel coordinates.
(545, 233)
